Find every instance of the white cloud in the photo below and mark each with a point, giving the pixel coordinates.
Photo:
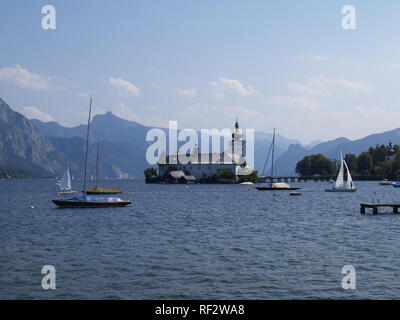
(224, 87)
(26, 79)
(321, 58)
(128, 113)
(208, 116)
(36, 113)
(308, 89)
(125, 85)
(323, 86)
(297, 103)
(318, 58)
(186, 93)
(82, 94)
(122, 111)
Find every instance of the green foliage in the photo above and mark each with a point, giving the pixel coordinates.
(150, 175)
(365, 162)
(369, 163)
(315, 164)
(222, 176)
(225, 174)
(252, 177)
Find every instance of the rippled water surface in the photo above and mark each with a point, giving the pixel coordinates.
(199, 242)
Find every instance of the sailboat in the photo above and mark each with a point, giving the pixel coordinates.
(65, 186)
(86, 201)
(274, 186)
(101, 190)
(340, 185)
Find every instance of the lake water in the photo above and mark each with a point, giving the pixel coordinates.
(199, 242)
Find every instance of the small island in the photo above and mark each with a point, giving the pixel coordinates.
(229, 166)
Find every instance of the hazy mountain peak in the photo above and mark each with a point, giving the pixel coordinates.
(23, 146)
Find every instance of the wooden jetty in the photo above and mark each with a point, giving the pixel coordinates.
(315, 177)
(269, 179)
(376, 206)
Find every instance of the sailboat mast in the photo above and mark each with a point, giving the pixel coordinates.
(273, 153)
(87, 147)
(97, 165)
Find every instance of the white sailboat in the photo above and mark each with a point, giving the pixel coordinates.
(65, 186)
(340, 185)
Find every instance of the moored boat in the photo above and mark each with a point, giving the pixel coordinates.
(340, 185)
(277, 186)
(90, 201)
(274, 186)
(386, 182)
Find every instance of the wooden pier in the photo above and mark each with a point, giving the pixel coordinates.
(376, 206)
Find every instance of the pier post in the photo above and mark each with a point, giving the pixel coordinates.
(362, 209)
(375, 210)
(395, 209)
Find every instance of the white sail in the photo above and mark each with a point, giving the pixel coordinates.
(340, 181)
(65, 184)
(349, 184)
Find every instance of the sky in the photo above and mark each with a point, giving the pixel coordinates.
(287, 64)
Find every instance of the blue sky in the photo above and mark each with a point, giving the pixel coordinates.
(285, 64)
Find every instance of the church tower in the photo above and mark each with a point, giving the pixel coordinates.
(238, 145)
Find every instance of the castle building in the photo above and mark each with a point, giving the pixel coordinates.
(391, 154)
(205, 165)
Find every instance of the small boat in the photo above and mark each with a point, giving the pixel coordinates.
(340, 185)
(65, 186)
(86, 201)
(247, 183)
(277, 186)
(386, 182)
(295, 194)
(396, 184)
(91, 202)
(272, 186)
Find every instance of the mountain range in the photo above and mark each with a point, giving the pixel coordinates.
(24, 150)
(128, 138)
(36, 148)
(286, 163)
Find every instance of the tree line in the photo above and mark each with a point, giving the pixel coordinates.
(373, 162)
